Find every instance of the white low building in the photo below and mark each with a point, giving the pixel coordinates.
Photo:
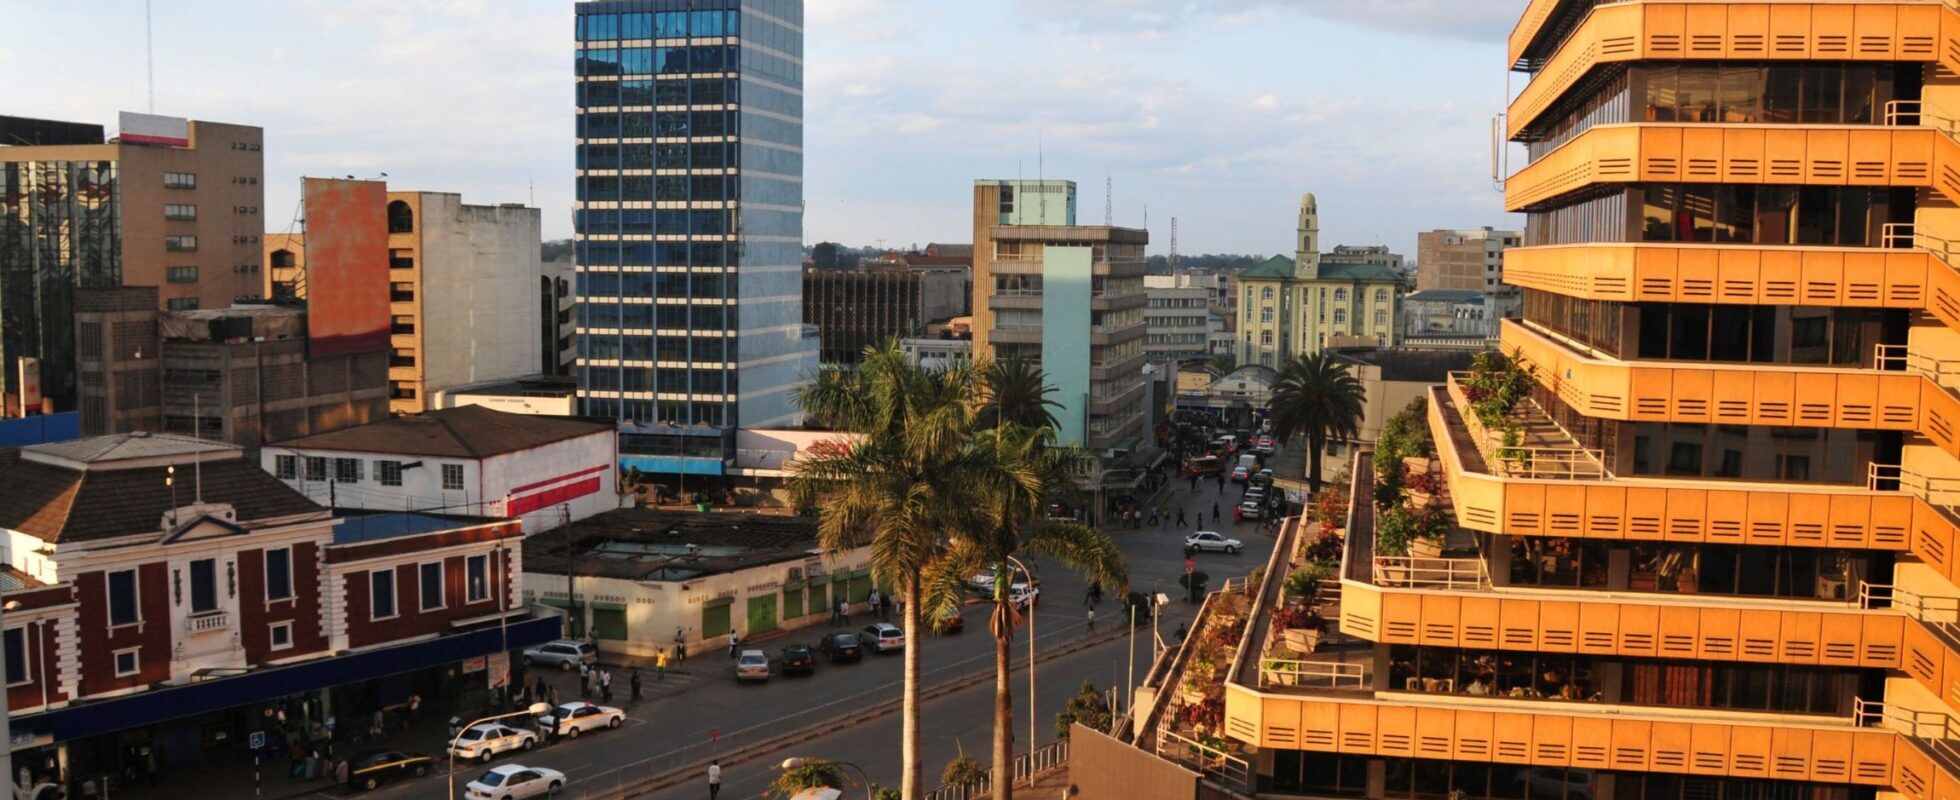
(471, 459)
(639, 575)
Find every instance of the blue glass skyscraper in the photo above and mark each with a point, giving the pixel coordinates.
(689, 223)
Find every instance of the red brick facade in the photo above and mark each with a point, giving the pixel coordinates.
(150, 635)
(256, 614)
(410, 621)
(43, 661)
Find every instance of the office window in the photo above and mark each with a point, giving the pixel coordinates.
(181, 304)
(1266, 294)
(180, 274)
(180, 244)
(476, 572)
(389, 473)
(1266, 338)
(126, 662)
(1340, 316)
(204, 586)
(1381, 317)
(1340, 295)
(1266, 314)
(1381, 295)
(452, 476)
(381, 590)
(316, 468)
(123, 607)
(281, 635)
(286, 467)
(429, 582)
(179, 211)
(347, 470)
(279, 574)
(179, 180)
(15, 644)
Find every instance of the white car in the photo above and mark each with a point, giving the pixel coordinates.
(882, 637)
(1211, 540)
(1023, 596)
(513, 782)
(564, 654)
(571, 719)
(487, 740)
(752, 666)
(1252, 509)
(983, 582)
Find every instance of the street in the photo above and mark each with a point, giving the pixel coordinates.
(693, 716)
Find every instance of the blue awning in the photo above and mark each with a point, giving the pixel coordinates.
(161, 705)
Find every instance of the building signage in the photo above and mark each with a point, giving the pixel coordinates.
(137, 128)
(474, 664)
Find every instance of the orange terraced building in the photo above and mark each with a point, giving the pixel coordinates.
(1719, 560)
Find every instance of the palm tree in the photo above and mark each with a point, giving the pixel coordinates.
(1318, 397)
(911, 476)
(1017, 392)
(1025, 472)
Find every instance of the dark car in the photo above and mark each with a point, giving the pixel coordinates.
(841, 647)
(798, 658)
(372, 769)
(951, 623)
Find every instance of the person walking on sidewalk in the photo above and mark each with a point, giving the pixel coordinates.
(1092, 619)
(734, 641)
(680, 645)
(1180, 519)
(635, 680)
(871, 602)
(584, 680)
(714, 779)
(605, 685)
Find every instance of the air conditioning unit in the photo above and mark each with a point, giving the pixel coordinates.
(795, 574)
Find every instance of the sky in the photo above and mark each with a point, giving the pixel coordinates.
(1219, 113)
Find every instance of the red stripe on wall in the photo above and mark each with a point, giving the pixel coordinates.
(565, 477)
(519, 506)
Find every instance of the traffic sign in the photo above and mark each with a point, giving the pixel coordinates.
(258, 740)
(1190, 565)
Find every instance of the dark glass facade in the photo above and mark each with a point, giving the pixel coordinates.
(1340, 775)
(1731, 333)
(60, 228)
(1580, 677)
(689, 225)
(1835, 216)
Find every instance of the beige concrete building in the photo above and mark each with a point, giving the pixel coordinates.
(165, 202)
(1068, 297)
(1463, 260)
(463, 288)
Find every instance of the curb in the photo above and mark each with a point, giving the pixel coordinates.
(679, 775)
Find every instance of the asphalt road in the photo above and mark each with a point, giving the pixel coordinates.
(694, 716)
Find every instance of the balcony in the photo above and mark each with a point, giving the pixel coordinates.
(1820, 155)
(1734, 274)
(204, 623)
(1618, 31)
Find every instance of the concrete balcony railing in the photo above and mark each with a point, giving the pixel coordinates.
(202, 623)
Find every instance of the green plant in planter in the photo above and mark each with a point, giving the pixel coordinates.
(1305, 581)
(1433, 525)
(1194, 585)
(1394, 530)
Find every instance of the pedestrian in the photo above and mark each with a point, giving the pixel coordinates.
(714, 779)
(1238, 514)
(636, 682)
(659, 665)
(1092, 619)
(734, 641)
(414, 708)
(871, 602)
(584, 680)
(680, 645)
(1181, 630)
(605, 685)
(1180, 519)
(1214, 511)
(340, 770)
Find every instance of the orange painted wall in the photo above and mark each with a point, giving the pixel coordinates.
(346, 266)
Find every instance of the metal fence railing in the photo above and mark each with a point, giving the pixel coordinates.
(1410, 572)
(1519, 460)
(1205, 759)
(1027, 769)
(1286, 672)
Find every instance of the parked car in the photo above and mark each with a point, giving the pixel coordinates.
(1263, 477)
(1211, 540)
(798, 658)
(564, 654)
(514, 782)
(982, 582)
(752, 666)
(951, 623)
(1023, 596)
(485, 741)
(1240, 474)
(376, 767)
(571, 719)
(883, 637)
(841, 647)
(1251, 509)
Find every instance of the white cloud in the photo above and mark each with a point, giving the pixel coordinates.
(1266, 102)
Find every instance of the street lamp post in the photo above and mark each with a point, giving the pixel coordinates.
(797, 762)
(535, 709)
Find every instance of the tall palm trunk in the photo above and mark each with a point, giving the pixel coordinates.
(1316, 445)
(1003, 703)
(910, 787)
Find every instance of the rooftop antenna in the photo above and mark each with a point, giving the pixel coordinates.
(1109, 201)
(149, 56)
(197, 456)
(1040, 170)
(1173, 245)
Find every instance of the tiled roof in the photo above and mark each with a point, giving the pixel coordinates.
(465, 432)
(1273, 268)
(59, 504)
(125, 446)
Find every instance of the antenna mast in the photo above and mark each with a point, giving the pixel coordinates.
(149, 56)
(1109, 201)
(1173, 245)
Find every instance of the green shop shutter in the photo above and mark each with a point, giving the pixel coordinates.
(762, 615)
(860, 588)
(819, 597)
(714, 618)
(793, 601)
(609, 623)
